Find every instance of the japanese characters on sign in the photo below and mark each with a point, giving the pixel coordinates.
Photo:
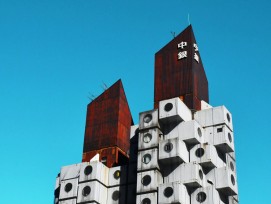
(183, 53)
(196, 56)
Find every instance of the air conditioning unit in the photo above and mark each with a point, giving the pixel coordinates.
(68, 189)
(190, 132)
(221, 137)
(92, 192)
(214, 116)
(207, 195)
(149, 138)
(174, 192)
(148, 181)
(94, 171)
(172, 151)
(173, 111)
(206, 156)
(190, 174)
(116, 195)
(149, 119)
(147, 160)
(69, 201)
(70, 172)
(117, 176)
(147, 198)
(224, 180)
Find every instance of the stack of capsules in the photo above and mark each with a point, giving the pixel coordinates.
(185, 157)
(91, 182)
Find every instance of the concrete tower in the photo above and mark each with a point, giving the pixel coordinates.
(182, 151)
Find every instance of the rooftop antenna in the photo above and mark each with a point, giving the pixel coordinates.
(188, 18)
(104, 86)
(91, 96)
(173, 34)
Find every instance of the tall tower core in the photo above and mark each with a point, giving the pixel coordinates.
(107, 129)
(179, 72)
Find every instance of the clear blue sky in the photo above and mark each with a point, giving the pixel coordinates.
(55, 53)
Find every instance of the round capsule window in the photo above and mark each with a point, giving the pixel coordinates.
(146, 158)
(228, 117)
(199, 152)
(147, 138)
(229, 137)
(147, 118)
(199, 132)
(168, 147)
(86, 191)
(88, 170)
(201, 197)
(231, 166)
(115, 195)
(146, 180)
(232, 180)
(146, 201)
(168, 192)
(68, 187)
(200, 174)
(168, 107)
(117, 174)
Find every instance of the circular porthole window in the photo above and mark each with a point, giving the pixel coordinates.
(146, 201)
(116, 195)
(228, 117)
(199, 152)
(200, 174)
(168, 107)
(168, 192)
(168, 147)
(117, 174)
(88, 170)
(147, 118)
(229, 136)
(147, 138)
(68, 187)
(231, 166)
(86, 191)
(146, 180)
(199, 132)
(146, 158)
(232, 180)
(201, 197)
